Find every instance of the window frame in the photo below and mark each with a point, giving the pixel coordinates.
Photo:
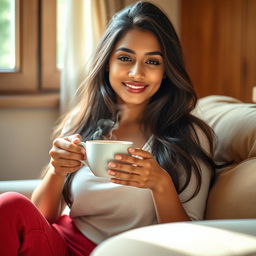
(25, 78)
(37, 77)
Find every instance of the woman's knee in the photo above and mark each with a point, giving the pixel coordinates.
(10, 201)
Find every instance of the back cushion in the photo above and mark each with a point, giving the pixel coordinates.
(234, 124)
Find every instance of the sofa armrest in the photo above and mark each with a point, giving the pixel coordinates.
(25, 187)
(222, 238)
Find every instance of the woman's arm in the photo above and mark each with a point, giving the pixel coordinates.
(47, 196)
(65, 158)
(167, 202)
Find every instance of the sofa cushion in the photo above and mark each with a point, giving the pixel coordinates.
(234, 123)
(25, 187)
(197, 238)
(233, 195)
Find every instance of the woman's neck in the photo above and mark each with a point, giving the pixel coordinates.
(131, 114)
(129, 127)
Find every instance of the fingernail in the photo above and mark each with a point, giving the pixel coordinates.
(132, 150)
(111, 165)
(110, 172)
(118, 157)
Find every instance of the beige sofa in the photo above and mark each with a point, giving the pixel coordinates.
(230, 225)
(233, 195)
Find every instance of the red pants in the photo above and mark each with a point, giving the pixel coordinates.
(24, 231)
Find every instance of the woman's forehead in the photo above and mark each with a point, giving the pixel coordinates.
(140, 40)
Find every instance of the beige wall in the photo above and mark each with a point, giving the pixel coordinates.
(25, 141)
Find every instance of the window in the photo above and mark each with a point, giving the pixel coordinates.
(8, 58)
(28, 47)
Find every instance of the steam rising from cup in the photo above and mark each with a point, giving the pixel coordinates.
(105, 128)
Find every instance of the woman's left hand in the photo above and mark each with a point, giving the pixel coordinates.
(139, 169)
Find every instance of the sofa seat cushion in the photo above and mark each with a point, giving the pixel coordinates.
(233, 195)
(234, 124)
(199, 238)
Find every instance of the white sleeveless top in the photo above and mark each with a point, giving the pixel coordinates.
(102, 209)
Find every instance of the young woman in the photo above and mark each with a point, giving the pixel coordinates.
(137, 80)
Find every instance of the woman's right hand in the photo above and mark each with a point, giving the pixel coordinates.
(66, 154)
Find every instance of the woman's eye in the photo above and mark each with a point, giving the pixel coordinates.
(124, 58)
(153, 62)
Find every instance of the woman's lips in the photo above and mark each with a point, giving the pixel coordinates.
(135, 87)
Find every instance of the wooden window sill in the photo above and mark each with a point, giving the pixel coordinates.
(50, 100)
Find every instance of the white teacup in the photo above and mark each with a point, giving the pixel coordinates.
(100, 152)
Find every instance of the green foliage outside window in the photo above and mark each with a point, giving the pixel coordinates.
(7, 47)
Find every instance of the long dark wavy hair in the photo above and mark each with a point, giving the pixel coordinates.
(167, 117)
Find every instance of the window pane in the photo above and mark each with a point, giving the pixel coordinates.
(61, 13)
(7, 35)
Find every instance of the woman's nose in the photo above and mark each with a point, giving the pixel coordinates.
(137, 72)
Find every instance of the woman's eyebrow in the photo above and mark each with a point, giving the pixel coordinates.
(133, 52)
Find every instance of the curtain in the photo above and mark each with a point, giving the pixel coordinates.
(85, 22)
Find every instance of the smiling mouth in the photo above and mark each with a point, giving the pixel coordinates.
(135, 86)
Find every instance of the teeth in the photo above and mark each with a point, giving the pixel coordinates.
(134, 87)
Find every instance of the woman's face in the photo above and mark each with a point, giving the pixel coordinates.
(136, 67)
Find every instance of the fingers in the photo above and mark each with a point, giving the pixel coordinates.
(135, 170)
(69, 144)
(125, 176)
(62, 158)
(123, 167)
(64, 163)
(137, 158)
(139, 163)
(128, 179)
(66, 154)
(58, 153)
(75, 138)
(130, 167)
(140, 153)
